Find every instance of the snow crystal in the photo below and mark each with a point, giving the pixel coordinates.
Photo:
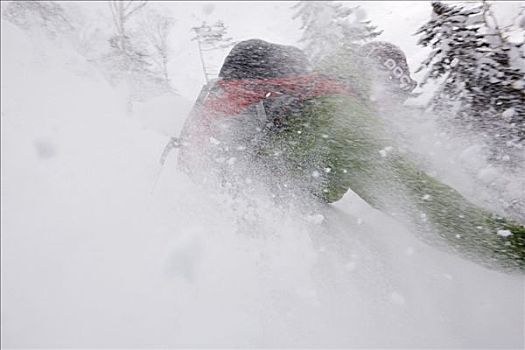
(315, 173)
(488, 175)
(448, 276)
(316, 219)
(508, 113)
(504, 233)
(522, 22)
(409, 251)
(518, 84)
(214, 141)
(327, 170)
(384, 152)
(397, 298)
(45, 149)
(310, 295)
(426, 197)
(350, 266)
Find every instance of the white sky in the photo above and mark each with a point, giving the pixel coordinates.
(272, 21)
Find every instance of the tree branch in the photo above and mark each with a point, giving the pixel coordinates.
(138, 7)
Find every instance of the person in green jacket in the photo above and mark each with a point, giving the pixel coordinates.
(326, 138)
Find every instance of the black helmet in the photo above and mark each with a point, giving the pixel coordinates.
(389, 58)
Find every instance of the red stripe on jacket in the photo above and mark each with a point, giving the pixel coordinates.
(237, 95)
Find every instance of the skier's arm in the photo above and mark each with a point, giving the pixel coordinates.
(360, 158)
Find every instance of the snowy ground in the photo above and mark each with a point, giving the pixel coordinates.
(97, 253)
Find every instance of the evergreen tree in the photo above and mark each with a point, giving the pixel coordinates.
(326, 25)
(480, 73)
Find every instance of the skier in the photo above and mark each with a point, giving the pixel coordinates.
(314, 132)
(261, 88)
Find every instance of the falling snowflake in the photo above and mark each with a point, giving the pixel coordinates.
(384, 152)
(504, 233)
(315, 219)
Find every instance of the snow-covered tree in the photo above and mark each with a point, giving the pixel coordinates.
(139, 50)
(122, 12)
(45, 16)
(480, 74)
(156, 28)
(126, 55)
(326, 25)
(210, 38)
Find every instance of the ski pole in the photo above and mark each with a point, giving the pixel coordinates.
(174, 142)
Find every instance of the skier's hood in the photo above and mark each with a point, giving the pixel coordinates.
(259, 59)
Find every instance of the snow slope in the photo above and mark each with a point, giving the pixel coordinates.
(101, 249)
